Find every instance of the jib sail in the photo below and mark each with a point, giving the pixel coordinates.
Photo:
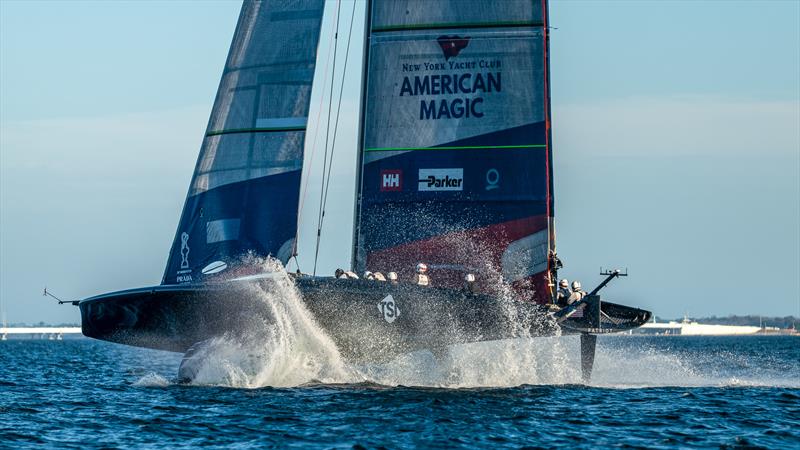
(456, 162)
(244, 193)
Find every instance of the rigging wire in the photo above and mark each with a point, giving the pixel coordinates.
(327, 134)
(313, 151)
(326, 178)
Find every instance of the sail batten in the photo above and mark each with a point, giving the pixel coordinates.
(472, 147)
(257, 130)
(456, 25)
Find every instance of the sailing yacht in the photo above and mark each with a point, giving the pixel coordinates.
(453, 203)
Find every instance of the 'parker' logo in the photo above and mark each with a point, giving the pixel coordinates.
(391, 180)
(452, 45)
(389, 309)
(441, 180)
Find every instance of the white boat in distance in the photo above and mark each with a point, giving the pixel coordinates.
(688, 327)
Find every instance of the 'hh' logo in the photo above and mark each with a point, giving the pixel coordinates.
(452, 45)
(389, 309)
(391, 180)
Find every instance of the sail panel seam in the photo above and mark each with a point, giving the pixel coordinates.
(440, 26)
(469, 147)
(255, 130)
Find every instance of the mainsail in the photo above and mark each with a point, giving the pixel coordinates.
(244, 193)
(456, 161)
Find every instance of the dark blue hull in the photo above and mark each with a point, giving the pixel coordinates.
(368, 320)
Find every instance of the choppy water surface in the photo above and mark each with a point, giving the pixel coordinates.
(647, 391)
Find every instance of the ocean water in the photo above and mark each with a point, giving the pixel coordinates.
(287, 385)
(724, 392)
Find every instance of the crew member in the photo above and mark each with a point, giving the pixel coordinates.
(577, 292)
(421, 277)
(555, 264)
(563, 294)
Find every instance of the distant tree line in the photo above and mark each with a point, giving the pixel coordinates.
(42, 325)
(754, 321)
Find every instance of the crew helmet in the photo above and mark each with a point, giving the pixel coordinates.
(563, 283)
(422, 268)
(576, 285)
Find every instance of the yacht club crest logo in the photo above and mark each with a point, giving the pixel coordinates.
(452, 45)
(389, 309)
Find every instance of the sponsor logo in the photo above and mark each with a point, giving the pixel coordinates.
(391, 180)
(492, 179)
(452, 45)
(456, 88)
(389, 309)
(184, 250)
(214, 267)
(185, 274)
(441, 180)
(184, 277)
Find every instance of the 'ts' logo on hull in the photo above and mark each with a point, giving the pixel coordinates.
(389, 309)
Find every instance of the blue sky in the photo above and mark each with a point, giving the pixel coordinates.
(677, 147)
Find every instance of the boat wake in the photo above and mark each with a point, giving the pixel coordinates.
(289, 349)
(640, 362)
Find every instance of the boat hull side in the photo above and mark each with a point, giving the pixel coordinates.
(367, 320)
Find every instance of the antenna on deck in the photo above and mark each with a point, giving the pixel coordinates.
(615, 272)
(60, 302)
(610, 275)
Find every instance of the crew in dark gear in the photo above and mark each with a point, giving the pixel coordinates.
(564, 293)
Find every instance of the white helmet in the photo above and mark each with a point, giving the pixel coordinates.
(422, 268)
(563, 283)
(576, 285)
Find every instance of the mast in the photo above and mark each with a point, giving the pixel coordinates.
(549, 135)
(354, 260)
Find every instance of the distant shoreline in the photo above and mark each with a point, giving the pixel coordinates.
(748, 320)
